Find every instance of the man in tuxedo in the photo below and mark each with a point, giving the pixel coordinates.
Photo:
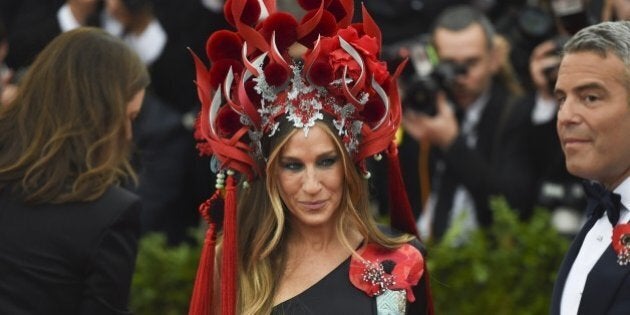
(593, 124)
(477, 138)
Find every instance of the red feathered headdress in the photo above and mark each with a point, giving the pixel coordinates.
(273, 67)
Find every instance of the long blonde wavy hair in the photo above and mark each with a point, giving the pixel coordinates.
(262, 225)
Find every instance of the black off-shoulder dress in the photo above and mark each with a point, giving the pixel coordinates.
(335, 294)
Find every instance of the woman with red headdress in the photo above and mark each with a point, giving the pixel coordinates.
(290, 112)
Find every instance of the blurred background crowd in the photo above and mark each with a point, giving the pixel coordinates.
(526, 39)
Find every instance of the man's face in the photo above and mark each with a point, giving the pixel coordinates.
(467, 47)
(594, 116)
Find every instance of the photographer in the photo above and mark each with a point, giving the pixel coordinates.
(476, 137)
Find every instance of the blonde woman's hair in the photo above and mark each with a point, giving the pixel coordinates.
(262, 225)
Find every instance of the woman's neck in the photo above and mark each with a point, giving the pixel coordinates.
(313, 238)
(321, 239)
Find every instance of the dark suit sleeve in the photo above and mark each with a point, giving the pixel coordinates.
(108, 278)
(507, 172)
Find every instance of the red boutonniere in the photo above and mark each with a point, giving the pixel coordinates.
(384, 269)
(621, 243)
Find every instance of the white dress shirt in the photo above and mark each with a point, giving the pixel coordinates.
(149, 45)
(595, 243)
(66, 19)
(544, 110)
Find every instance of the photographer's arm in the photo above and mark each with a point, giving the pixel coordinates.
(542, 67)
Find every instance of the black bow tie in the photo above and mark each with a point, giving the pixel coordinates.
(601, 200)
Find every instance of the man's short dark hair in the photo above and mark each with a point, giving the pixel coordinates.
(459, 17)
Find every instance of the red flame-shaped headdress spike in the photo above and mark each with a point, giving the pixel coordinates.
(271, 68)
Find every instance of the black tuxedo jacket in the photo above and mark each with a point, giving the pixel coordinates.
(74, 258)
(607, 288)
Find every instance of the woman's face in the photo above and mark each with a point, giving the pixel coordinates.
(310, 177)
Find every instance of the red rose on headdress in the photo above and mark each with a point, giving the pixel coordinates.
(365, 45)
(339, 59)
(369, 48)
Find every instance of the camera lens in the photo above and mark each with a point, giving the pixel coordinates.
(534, 23)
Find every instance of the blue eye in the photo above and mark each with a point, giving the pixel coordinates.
(292, 166)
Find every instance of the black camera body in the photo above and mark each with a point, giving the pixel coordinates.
(427, 77)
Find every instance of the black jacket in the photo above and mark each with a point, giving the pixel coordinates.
(74, 258)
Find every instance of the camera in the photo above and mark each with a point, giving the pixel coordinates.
(426, 77)
(551, 73)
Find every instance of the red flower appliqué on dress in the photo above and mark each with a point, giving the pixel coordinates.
(387, 269)
(621, 243)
